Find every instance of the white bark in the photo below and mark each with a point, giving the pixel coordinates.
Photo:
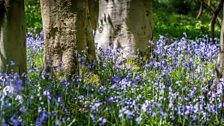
(12, 36)
(126, 24)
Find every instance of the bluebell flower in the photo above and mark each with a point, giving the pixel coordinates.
(96, 105)
(12, 63)
(103, 121)
(139, 119)
(42, 119)
(93, 117)
(47, 93)
(8, 90)
(16, 122)
(57, 122)
(19, 98)
(59, 100)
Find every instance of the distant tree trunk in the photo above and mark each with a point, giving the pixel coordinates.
(67, 28)
(12, 36)
(214, 18)
(214, 12)
(209, 2)
(220, 62)
(201, 9)
(125, 24)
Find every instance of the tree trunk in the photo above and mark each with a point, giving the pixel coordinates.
(214, 18)
(200, 12)
(220, 62)
(94, 12)
(209, 2)
(67, 28)
(124, 24)
(12, 36)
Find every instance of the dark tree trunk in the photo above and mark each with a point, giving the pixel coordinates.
(12, 36)
(94, 12)
(214, 18)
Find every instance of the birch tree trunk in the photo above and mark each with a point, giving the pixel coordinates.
(12, 36)
(67, 28)
(124, 24)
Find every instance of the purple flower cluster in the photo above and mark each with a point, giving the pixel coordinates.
(171, 86)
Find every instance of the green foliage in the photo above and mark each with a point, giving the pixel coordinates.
(178, 6)
(173, 25)
(184, 6)
(33, 16)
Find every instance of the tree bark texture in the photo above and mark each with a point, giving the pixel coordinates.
(124, 24)
(12, 36)
(67, 28)
(94, 12)
(220, 62)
